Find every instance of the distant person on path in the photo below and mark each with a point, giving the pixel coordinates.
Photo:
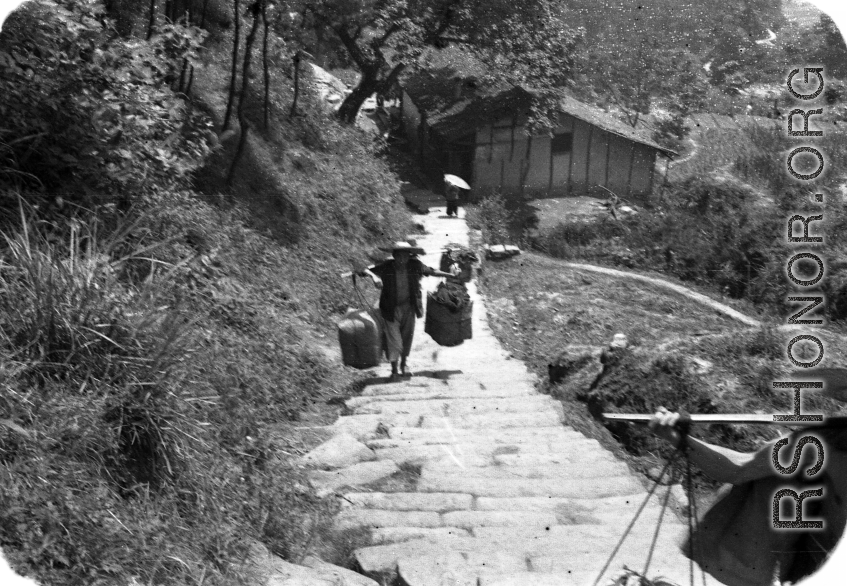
(451, 194)
(400, 301)
(735, 540)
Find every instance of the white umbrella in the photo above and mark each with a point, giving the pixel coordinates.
(457, 181)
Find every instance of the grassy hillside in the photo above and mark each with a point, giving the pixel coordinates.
(681, 355)
(164, 334)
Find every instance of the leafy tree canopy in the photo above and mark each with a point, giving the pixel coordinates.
(665, 52)
(86, 113)
(528, 43)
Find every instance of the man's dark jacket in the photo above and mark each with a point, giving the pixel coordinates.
(388, 298)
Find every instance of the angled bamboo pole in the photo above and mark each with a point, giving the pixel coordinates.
(732, 418)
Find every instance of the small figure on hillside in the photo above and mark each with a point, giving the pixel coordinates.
(775, 112)
(400, 301)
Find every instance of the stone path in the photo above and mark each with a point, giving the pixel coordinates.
(507, 494)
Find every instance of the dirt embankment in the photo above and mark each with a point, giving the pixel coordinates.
(684, 350)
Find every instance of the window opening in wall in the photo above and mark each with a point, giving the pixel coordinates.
(562, 143)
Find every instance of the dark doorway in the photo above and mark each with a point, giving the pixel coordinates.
(460, 159)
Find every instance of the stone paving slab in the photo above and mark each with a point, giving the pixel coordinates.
(612, 511)
(355, 518)
(382, 559)
(555, 432)
(572, 452)
(388, 535)
(497, 420)
(514, 487)
(439, 502)
(339, 451)
(455, 568)
(460, 406)
(287, 574)
(459, 383)
(547, 503)
(356, 475)
(547, 555)
(365, 426)
(558, 538)
(539, 579)
(334, 575)
(471, 519)
(443, 392)
(465, 455)
(475, 468)
(548, 445)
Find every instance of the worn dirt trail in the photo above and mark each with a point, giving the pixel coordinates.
(685, 291)
(507, 494)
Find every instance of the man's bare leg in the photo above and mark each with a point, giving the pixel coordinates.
(403, 368)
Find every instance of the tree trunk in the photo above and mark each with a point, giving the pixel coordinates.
(248, 56)
(296, 84)
(242, 140)
(369, 84)
(182, 75)
(527, 163)
(203, 15)
(267, 102)
(234, 76)
(152, 22)
(245, 86)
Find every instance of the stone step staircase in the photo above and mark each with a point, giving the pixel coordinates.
(507, 494)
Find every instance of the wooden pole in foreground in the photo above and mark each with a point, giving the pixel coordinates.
(754, 418)
(350, 274)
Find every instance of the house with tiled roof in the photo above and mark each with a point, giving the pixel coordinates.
(458, 125)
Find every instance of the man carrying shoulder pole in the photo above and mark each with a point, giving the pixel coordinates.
(400, 301)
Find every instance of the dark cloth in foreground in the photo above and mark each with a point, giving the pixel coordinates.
(736, 542)
(453, 296)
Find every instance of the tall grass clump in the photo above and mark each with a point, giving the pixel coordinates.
(573, 239)
(491, 217)
(118, 460)
(88, 375)
(501, 220)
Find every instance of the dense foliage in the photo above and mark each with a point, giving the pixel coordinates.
(527, 43)
(85, 113)
(667, 59)
(159, 346)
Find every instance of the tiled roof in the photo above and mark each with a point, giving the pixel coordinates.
(465, 116)
(433, 90)
(608, 122)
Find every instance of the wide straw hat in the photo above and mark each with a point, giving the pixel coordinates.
(403, 246)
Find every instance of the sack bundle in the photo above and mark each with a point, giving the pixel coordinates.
(449, 312)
